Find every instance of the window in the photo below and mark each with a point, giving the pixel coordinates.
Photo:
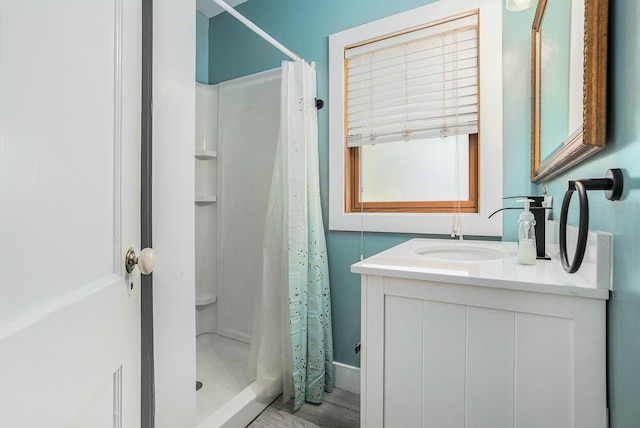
(408, 146)
(412, 119)
(426, 175)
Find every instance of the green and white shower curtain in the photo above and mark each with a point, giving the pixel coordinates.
(292, 346)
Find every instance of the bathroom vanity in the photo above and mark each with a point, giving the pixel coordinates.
(457, 334)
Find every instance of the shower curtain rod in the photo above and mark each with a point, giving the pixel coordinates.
(253, 27)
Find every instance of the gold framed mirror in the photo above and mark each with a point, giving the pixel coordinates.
(568, 90)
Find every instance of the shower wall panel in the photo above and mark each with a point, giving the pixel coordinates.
(206, 163)
(248, 124)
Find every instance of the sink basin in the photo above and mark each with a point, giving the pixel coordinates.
(461, 253)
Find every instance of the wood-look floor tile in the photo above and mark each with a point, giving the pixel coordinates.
(339, 410)
(274, 418)
(343, 398)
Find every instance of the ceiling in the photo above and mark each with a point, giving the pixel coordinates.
(209, 8)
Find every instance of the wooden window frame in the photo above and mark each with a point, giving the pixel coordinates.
(353, 204)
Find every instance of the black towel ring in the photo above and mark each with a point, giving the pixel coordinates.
(612, 185)
(583, 228)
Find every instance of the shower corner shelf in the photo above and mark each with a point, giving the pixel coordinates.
(205, 199)
(206, 154)
(206, 299)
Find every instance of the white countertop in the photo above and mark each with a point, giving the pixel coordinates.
(546, 276)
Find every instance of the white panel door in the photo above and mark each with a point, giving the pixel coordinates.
(444, 364)
(490, 367)
(544, 372)
(403, 362)
(69, 208)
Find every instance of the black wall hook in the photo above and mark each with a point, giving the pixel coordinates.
(319, 103)
(612, 184)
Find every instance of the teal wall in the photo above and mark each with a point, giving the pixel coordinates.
(620, 218)
(303, 26)
(516, 113)
(202, 48)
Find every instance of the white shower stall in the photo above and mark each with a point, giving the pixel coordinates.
(237, 125)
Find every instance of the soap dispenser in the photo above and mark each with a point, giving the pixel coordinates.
(526, 236)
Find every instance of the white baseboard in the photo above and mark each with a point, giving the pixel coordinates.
(346, 377)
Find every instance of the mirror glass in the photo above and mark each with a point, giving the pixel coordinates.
(568, 56)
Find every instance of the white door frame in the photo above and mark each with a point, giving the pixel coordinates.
(174, 212)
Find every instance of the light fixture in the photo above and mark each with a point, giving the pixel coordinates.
(517, 5)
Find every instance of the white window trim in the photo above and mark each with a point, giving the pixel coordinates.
(490, 170)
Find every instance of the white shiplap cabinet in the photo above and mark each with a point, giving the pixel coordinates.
(441, 354)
